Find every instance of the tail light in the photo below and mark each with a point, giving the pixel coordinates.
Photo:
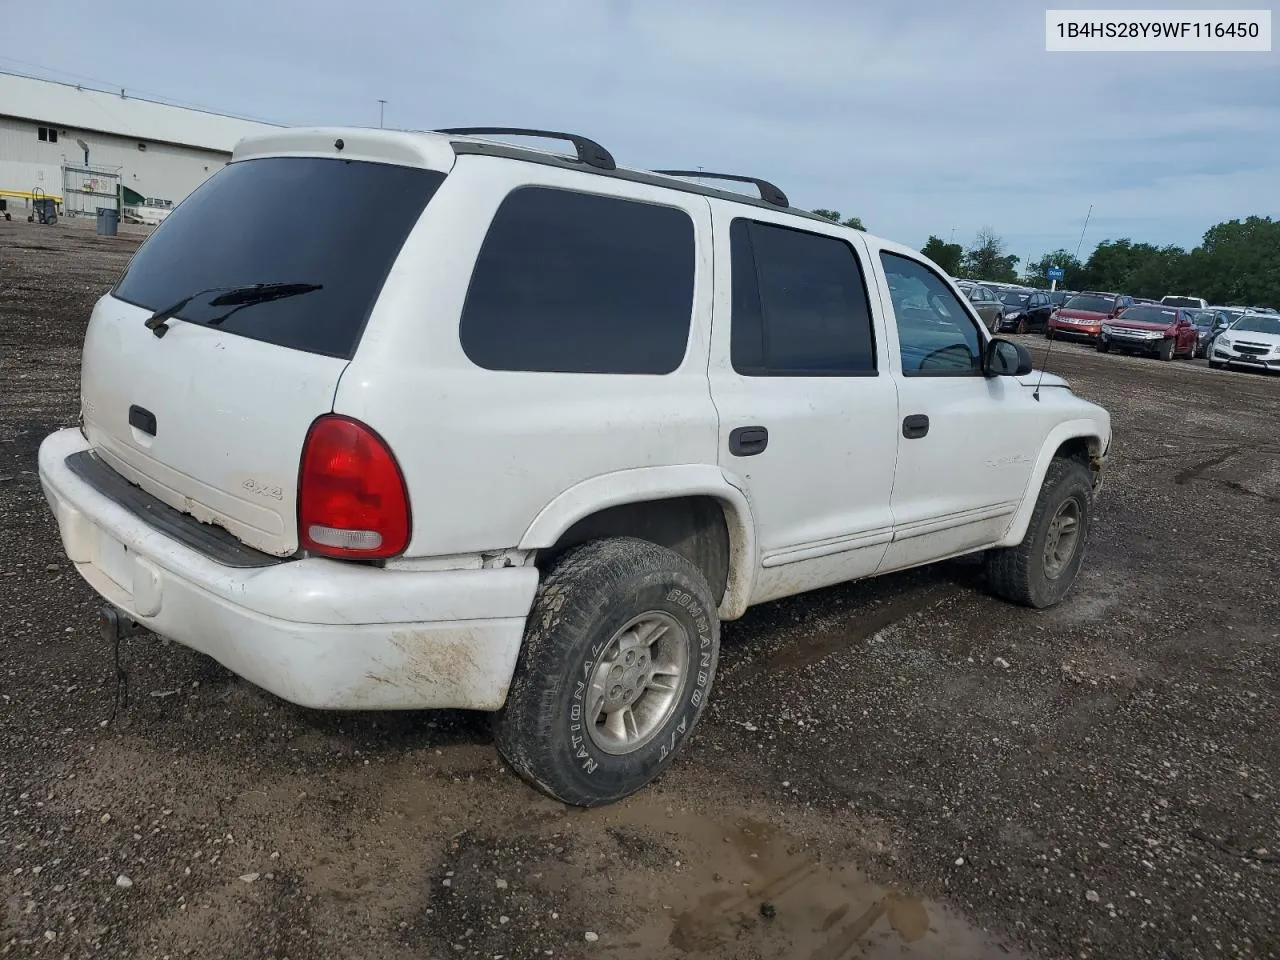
(352, 501)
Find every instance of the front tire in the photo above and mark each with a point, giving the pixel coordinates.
(1166, 349)
(1040, 571)
(619, 657)
(1104, 346)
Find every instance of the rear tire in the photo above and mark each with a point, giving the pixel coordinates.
(618, 660)
(1166, 349)
(1040, 571)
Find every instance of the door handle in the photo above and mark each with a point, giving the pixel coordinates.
(915, 426)
(748, 441)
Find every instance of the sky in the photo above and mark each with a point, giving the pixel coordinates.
(921, 117)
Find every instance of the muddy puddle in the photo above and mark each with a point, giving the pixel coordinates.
(746, 888)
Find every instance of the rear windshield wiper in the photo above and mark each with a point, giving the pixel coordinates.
(235, 297)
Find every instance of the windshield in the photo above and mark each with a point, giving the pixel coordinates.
(1165, 316)
(335, 225)
(1258, 323)
(1180, 302)
(1014, 298)
(1091, 304)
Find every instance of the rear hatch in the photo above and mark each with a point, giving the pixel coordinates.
(211, 416)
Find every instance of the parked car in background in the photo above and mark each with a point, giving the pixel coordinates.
(1252, 341)
(987, 305)
(1207, 324)
(1165, 332)
(1148, 301)
(1025, 310)
(1059, 297)
(1082, 316)
(1172, 300)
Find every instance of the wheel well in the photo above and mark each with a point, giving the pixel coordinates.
(1077, 448)
(1086, 451)
(693, 527)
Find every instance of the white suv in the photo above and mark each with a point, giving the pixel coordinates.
(386, 420)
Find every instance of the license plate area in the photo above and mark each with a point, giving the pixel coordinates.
(115, 561)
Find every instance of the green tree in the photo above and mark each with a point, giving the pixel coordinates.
(945, 255)
(855, 222)
(1037, 271)
(986, 259)
(1238, 262)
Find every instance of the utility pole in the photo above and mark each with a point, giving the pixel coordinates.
(382, 105)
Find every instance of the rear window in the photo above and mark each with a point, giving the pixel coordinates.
(1180, 302)
(307, 220)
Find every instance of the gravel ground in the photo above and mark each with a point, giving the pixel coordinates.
(904, 767)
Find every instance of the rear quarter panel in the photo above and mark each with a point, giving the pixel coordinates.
(483, 452)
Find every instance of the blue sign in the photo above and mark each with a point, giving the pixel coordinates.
(1056, 273)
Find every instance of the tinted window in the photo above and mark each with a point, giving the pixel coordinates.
(305, 220)
(936, 334)
(800, 304)
(574, 283)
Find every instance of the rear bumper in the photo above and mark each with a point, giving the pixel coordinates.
(319, 633)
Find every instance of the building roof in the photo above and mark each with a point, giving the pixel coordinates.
(83, 108)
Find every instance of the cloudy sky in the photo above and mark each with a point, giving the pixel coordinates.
(920, 116)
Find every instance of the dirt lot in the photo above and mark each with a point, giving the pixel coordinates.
(899, 768)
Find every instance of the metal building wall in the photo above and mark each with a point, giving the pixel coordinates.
(157, 170)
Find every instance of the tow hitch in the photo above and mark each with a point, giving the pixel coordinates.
(114, 627)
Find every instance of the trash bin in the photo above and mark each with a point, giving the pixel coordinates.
(44, 210)
(108, 221)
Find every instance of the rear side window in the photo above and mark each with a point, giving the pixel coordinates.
(800, 305)
(304, 220)
(578, 283)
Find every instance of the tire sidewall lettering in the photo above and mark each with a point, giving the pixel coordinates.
(695, 618)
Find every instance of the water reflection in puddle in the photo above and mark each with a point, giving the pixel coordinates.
(744, 888)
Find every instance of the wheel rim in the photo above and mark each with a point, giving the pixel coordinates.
(635, 685)
(1062, 539)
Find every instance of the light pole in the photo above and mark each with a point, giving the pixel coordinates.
(382, 105)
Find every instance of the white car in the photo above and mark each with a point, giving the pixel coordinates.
(387, 420)
(1193, 303)
(1252, 341)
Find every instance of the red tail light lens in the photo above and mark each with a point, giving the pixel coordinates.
(352, 500)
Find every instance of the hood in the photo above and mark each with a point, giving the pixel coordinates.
(1033, 379)
(1250, 336)
(1083, 315)
(1138, 325)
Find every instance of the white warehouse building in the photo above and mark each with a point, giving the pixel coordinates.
(86, 149)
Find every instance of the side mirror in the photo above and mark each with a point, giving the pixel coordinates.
(1004, 358)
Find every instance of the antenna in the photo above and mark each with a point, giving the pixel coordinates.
(1049, 352)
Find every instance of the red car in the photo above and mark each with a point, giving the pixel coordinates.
(1166, 332)
(1082, 316)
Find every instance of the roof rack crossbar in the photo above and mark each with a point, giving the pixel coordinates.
(769, 192)
(589, 152)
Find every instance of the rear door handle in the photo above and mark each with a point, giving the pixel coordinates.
(748, 441)
(915, 426)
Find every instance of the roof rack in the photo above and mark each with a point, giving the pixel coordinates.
(769, 192)
(589, 152)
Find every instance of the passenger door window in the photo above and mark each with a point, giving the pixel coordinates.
(936, 334)
(800, 304)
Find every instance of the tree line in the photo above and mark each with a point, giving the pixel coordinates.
(1237, 262)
